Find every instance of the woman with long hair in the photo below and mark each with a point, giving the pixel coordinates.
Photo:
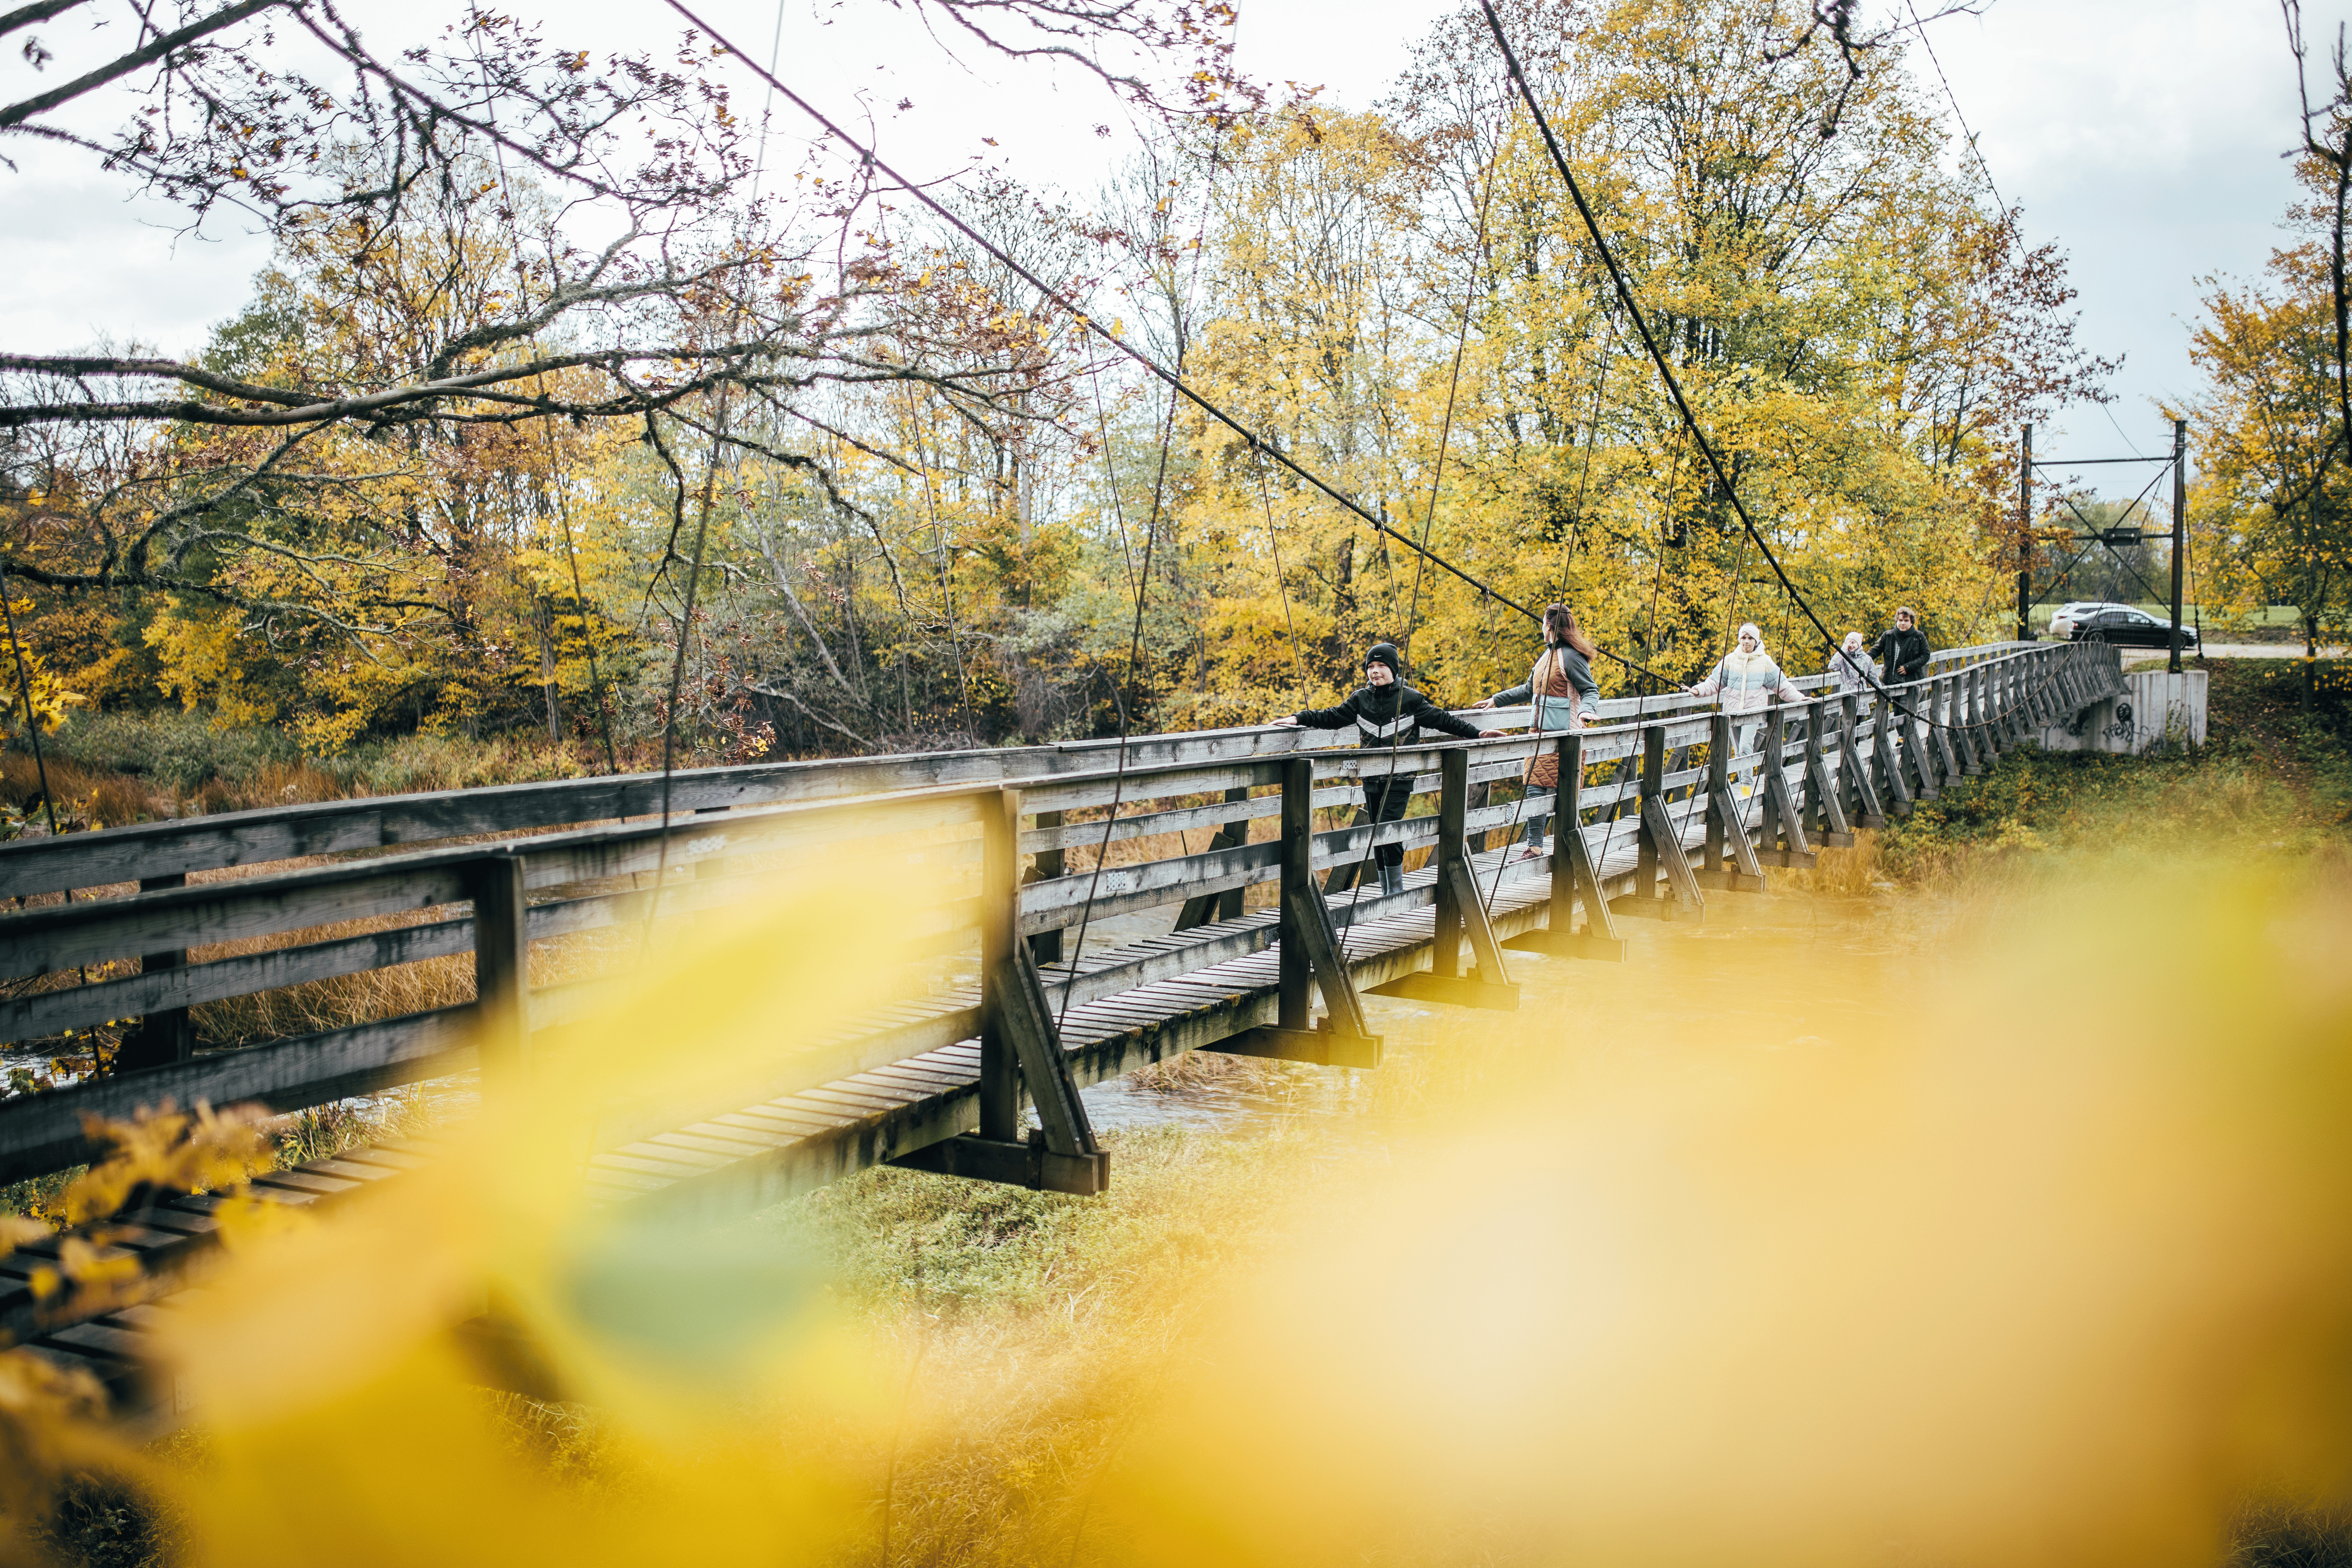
(1565, 696)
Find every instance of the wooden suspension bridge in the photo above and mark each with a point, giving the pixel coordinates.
(1666, 812)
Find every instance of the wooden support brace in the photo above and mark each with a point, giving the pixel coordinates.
(1745, 872)
(1019, 1048)
(1028, 1164)
(1893, 790)
(1204, 907)
(1658, 830)
(1045, 946)
(1916, 746)
(1941, 708)
(1855, 770)
(1827, 814)
(1309, 953)
(1574, 878)
(1726, 828)
(1460, 911)
(1316, 1047)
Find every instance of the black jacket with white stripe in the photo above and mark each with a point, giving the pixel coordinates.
(1386, 716)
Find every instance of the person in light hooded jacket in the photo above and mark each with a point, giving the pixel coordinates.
(1747, 681)
(1852, 666)
(1563, 674)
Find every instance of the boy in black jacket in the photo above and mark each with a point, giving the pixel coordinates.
(1386, 714)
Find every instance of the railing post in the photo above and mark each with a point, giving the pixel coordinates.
(1719, 782)
(1964, 722)
(1646, 892)
(501, 974)
(1726, 822)
(1020, 1048)
(1573, 875)
(1000, 925)
(1460, 911)
(1453, 807)
(1824, 811)
(1656, 849)
(1294, 1006)
(1203, 908)
(1854, 769)
(1047, 945)
(165, 1036)
(1311, 955)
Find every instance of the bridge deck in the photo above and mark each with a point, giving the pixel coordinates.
(902, 1078)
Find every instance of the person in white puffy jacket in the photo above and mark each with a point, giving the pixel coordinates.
(1746, 680)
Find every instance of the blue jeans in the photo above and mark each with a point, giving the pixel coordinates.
(1533, 833)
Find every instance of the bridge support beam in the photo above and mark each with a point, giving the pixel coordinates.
(1824, 811)
(1019, 1048)
(1461, 912)
(1783, 826)
(1854, 770)
(1574, 878)
(1311, 955)
(1892, 789)
(1726, 825)
(1658, 848)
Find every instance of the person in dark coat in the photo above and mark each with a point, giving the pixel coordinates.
(1386, 714)
(1902, 651)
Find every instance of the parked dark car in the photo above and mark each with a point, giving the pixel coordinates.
(2131, 628)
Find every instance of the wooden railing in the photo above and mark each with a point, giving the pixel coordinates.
(937, 820)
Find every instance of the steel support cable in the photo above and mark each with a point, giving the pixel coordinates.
(1649, 340)
(1173, 381)
(1142, 582)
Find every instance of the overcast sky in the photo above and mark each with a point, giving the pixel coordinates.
(2143, 135)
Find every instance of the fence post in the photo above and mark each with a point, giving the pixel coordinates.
(165, 1036)
(1203, 908)
(1824, 810)
(1854, 769)
(1293, 1007)
(501, 974)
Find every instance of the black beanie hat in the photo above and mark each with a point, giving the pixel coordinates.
(1386, 653)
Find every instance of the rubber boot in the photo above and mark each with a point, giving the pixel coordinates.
(1391, 879)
